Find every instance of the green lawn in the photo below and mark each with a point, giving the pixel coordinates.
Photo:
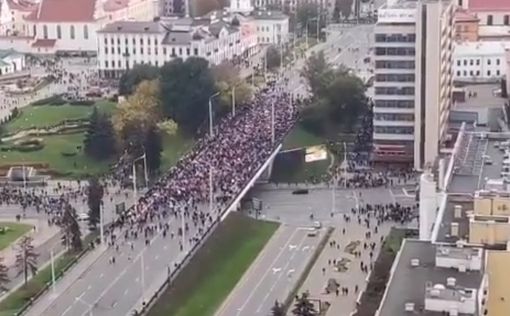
(299, 137)
(295, 170)
(13, 232)
(213, 272)
(174, 147)
(75, 166)
(49, 115)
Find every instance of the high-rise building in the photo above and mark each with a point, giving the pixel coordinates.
(413, 79)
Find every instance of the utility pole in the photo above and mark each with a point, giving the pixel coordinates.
(211, 189)
(135, 192)
(101, 223)
(233, 100)
(52, 271)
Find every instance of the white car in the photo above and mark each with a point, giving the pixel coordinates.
(83, 216)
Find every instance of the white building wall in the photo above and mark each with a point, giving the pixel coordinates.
(428, 205)
(84, 38)
(272, 31)
(487, 63)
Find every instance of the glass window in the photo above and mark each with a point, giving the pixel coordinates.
(59, 32)
(85, 32)
(71, 31)
(45, 31)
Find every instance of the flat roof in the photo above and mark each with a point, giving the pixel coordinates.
(486, 96)
(467, 49)
(444, 232)
(499, 283)
(408, 284)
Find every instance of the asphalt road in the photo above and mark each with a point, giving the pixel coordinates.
(273, 274)
(115, 289)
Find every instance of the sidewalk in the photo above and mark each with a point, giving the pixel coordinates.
(324, 271)
(41, 233)
(67, 280)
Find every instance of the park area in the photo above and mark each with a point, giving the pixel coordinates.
(202, 286)
(10, 232)
(51, 136)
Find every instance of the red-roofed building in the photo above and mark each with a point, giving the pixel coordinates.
(12, 13)
(71, 25)
(493, 15)
(466, 26)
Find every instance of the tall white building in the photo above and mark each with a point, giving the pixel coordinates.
(413, 80)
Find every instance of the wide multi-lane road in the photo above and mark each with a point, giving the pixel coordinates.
(273, 274)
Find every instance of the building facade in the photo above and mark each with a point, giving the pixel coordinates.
(493, 17)
(412, 88)
(480, 61)
(121, 45)
(272, 27)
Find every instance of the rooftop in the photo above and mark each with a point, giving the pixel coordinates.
(269, 15)
(64, 11)
(480, 47)
(489, 5)
(464, 16)
(499, 283)
(408, 284)
(133, 27)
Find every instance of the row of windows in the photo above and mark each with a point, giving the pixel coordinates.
(400, 104)
(506, 19)
(392, 38)
(394, 78)
(395, 51)
(477, 73)
(72, 33)
(394, 91)
(112, 41)
(477, 61)
(394, 117)
(394, 64)
(394, 129)
(112, 64)
(149, 50)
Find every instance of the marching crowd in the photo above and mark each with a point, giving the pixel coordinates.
(220, 164)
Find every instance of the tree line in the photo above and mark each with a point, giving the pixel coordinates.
(162, 101)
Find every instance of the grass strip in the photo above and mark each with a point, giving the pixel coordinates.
(19, 300)
(12, 231)
(206, 281)
(315, 256)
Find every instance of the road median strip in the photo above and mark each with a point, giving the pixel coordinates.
(313, 259)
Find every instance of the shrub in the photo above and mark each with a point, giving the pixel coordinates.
(83, 102)
(56, 98)
(32, 144)
(68, 154)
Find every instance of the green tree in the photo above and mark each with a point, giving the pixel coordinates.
(95, 194)
(99, 142)
(308, 14)
(303, 306)
(185, 90)
(277, 309)
(273, 57)
(26, 258)
(71, 234)
(153, 148)
(345, 7)
(4, 275)
(227, 80)
(131, 78)
(318, 72)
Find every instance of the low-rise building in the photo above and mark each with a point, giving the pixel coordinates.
(493, 16)
(121, 45)
(11, 62)
(272, 27)
(466, 26)
(479, 61)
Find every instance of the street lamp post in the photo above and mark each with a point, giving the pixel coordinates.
(211, 189)
(52, 271)
(233, 100)
(101, 223)
(272, 123)
(211, 132)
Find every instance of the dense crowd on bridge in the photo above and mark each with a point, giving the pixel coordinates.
(230, 158)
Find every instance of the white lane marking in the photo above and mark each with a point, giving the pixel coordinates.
(89, 287)
(292, 247)
(67, 309)
(252, 269)
(303, 239)
(156, 257)
(305, 248)
(276, 270)
(126, 291)
(101, 275)
(266, 273)
(165, 247)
